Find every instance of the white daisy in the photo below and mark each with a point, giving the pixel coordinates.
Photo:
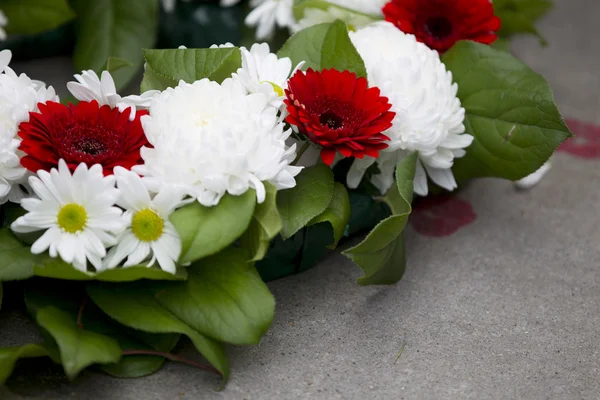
(429, 117)
(263, 72)
(90, 87)
(149, 235)
(267, 14)
(3, 23)
(19, 96)
(75, 211)
(210, 139)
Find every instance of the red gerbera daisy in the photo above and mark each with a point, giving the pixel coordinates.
(80, 133)
(441, 23)
(339, 112)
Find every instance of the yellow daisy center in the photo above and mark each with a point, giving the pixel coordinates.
(147, 226)
(276, 87)
(72, 218)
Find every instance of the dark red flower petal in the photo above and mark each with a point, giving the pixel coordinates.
(339, 113)
(440, 216)
(80, 133)
(441, 23)
(585, 143)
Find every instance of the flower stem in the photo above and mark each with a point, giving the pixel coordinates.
(304, 147)
(80, 313)
(172, 357)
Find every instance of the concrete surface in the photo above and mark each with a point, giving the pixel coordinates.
(506, 308)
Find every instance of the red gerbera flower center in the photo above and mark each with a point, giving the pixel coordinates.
(441, 23)
(339, 112)
(80, 133)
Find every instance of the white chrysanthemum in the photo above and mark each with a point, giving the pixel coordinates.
(90, 87)
(263, 72)
(356, 13)
(218, 46)
(149, 236)
(75, 211)
(533, 179)
(3, 23)
(210, 139)
(429, 117)
(267, 14)
(19, 96)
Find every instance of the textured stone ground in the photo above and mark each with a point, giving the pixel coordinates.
(505, 308)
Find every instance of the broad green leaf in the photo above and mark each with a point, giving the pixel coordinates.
(265, 225)
(58, 269)
(10, 355)
(519, 16)
(165, 68)
(337, 213)
(381, 255)
(78, 348)
(17, 261)
(205, 231)
(224, 298)
(309, 198)
(30, 17)
(114, 28)
(135, 306)
(114, 64)
(324, 46)
(502, 44)
(510, 110)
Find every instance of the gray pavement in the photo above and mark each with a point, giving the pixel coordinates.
(506, 308)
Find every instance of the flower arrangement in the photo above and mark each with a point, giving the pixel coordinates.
(129, 221)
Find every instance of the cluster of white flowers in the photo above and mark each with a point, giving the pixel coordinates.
(208, 139)
(19, 95)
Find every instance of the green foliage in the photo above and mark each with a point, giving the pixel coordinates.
(224, 298)
(10, 355)
(510, 110)
(324, 46)
(308, 199)
(205, 231)
(382, 255)
(165, 68)
(519, 16)
(114, 28)
(337, 213)
(30, 17)
(265, 225)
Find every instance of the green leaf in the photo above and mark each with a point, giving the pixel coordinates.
(265, 225)
(337, 213)
(78, 348)
(58, 269)
(165, 68)
(114, 28)
(17, 261)
(324, 46)
(519, 16)
(382, 255)
(224, 298)
(10, 355)
(114, 64)
(309, 198)
(510, 110)
(205, 231)
(30, 17)
(135, 306)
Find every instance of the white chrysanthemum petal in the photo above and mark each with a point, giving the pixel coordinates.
(210, 139)
(429, 117)
(19, 96)
(77, 231)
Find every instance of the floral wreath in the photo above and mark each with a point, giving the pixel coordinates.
(129, 221)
